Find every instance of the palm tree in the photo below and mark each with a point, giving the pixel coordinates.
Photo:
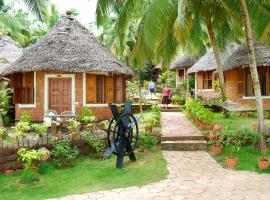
(167, 24)
(38, 7)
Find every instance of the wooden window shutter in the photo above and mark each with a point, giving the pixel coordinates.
(23, 88)
(91, 88)
(118, 89)
(109, 89)
(241, 77)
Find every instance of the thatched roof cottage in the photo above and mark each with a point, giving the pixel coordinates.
(206, 66)
(237, 75)
(65, 71)
(181, 66)
(9, 52)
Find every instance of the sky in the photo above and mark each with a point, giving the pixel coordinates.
(86, 8)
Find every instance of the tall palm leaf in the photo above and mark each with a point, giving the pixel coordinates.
(38, 8)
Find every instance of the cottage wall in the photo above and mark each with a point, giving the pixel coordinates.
(37, 113)
(231, 81)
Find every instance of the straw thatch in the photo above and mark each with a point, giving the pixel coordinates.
(69, 47)
(239, 58)
(182, 61)
(9, 52)
(208, 62)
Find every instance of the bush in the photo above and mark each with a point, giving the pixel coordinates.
(147, 141)
(63, 154)
(26, 118)
(21, 128)
(44, 168)
(150, 121)
(40, 128)
(97, 143)
(6, 120)
(73, 125)
(28, 177)
(178, 99)
(87, 116)
(198, 111)
(3, 133)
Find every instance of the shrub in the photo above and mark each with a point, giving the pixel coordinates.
(44, 168)
(26, 118)
(87, 116)
(106, 124)
(73, 125)
(63, 154)
(96, 143)
(147, 141)
(3, 132)
(178, 99)
(6, 120)
(28, 177)
(28, 157)
(150, 121)
(40, 128)
(21, 128)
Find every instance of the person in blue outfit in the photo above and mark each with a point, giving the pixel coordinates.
(152, 88)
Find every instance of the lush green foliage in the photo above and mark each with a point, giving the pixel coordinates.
(28, 157)
(97, 143)
(87, 116)
(45, 167)
(4, 100)
(150, 121)
(178, 99)
(147, 141)
(26, 118)
(3, 133)
(73, 125)
(40, 128)
(63, 154)
(198, 111)
(21, 128)
(86, 176)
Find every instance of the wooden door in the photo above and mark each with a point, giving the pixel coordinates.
(60, 97)
(118, 87)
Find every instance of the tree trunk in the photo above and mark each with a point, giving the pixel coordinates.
(140, 94)
(187, 92)
(213, 41)
(253, 67)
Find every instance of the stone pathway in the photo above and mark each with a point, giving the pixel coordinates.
(175, 123)
(193, 175)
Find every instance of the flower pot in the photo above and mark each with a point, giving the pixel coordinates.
(208, 127)
(263, 163)
(148, 129)
(217, 149)
(217, 127)
(198, 122)
(212, 136)
(254, 126)
(231, 162)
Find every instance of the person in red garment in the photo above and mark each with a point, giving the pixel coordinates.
(166, 96)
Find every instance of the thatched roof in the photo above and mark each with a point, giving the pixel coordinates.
(239, 58)
(69, 47)
(208, 62)
(182, 61)
(9, 52)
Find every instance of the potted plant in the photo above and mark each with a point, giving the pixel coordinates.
(54, 127)
(217, 144)
(3, 134)
(40, 129)
(206, 118)
(87, 117)
(263, 161)
(21, 128)
(149, 123)
(234, 145)
(73, 127)
(217, 127)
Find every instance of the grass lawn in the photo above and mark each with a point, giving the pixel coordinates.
(87, 175)
(247, 159)
(235, 122)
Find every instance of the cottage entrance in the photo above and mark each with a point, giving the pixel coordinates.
(60, 96)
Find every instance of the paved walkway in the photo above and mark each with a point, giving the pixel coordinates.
(192, 176)
(175, 123)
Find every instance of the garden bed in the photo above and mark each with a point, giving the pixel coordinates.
(88, 175)
(247, 159)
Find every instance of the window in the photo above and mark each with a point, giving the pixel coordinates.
(181, 74)
(23, 88)
(207, 80)
(102, 89)
(262, 72)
